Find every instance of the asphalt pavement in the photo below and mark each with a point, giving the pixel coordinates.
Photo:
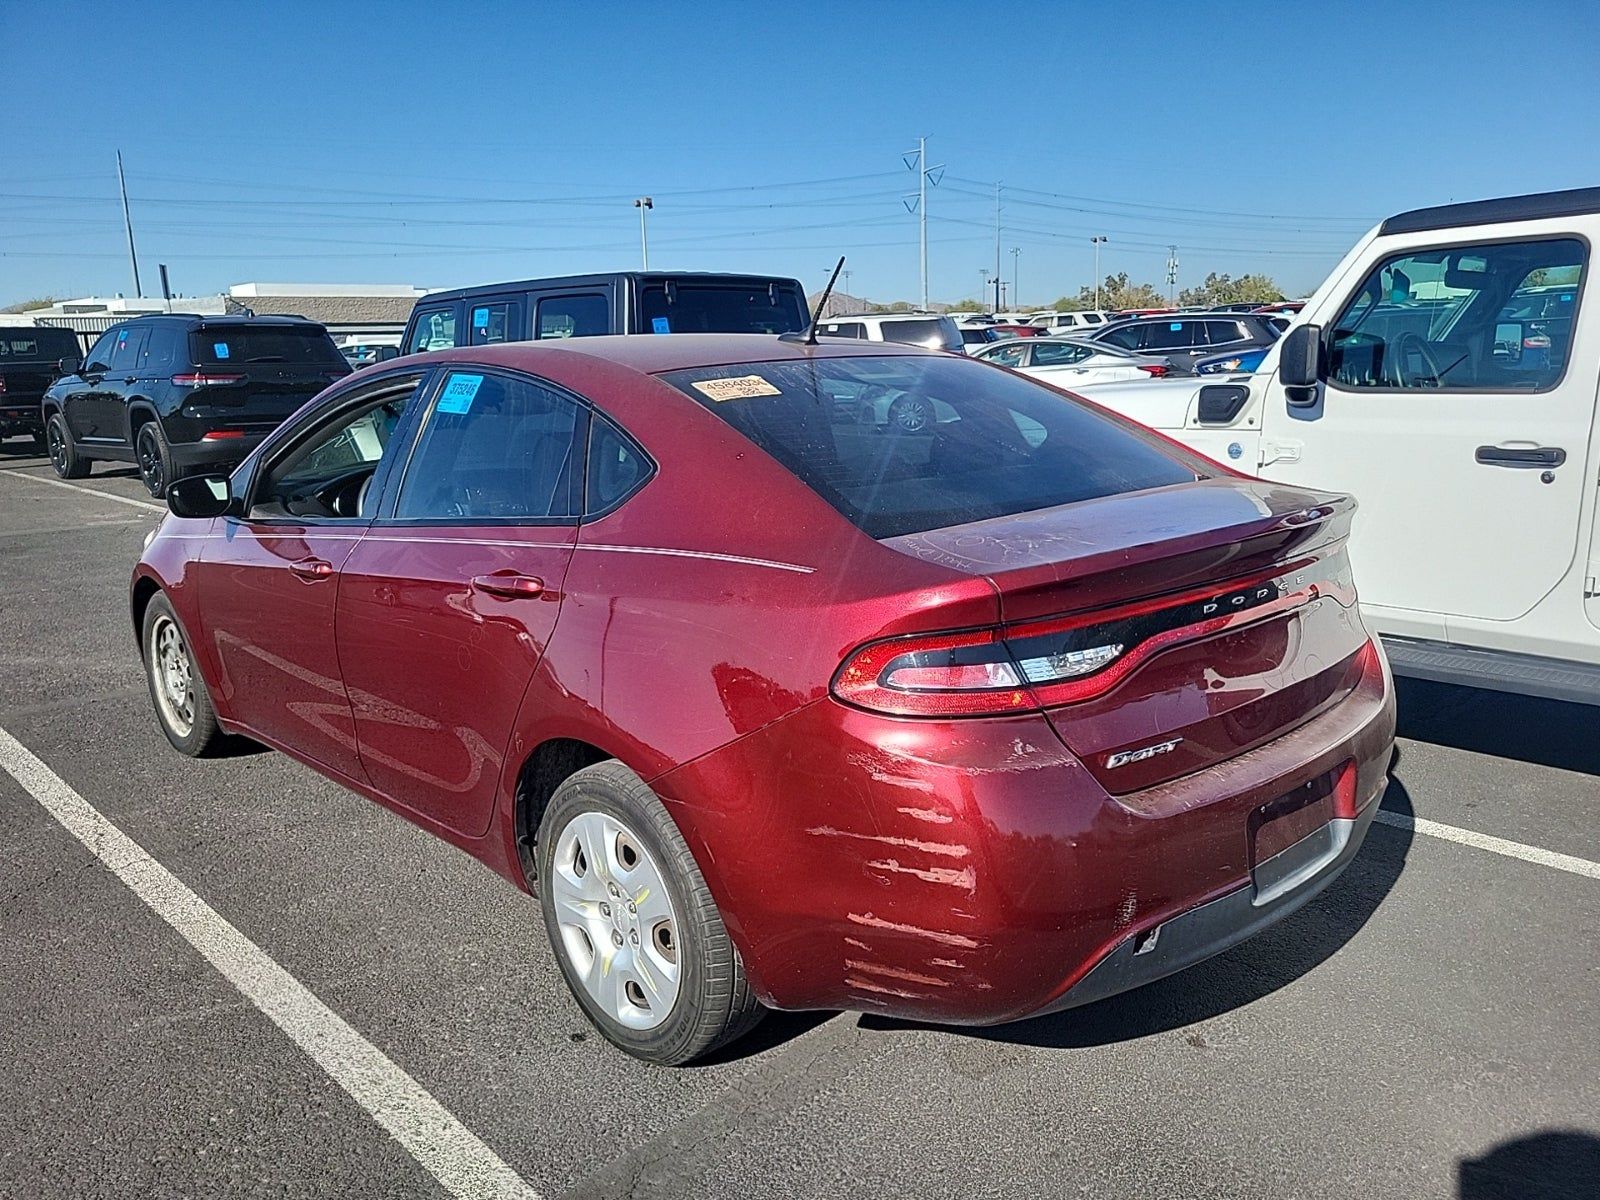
(1426, 1028)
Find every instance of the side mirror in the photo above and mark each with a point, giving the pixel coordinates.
(94, 368)
(200, 496)
(1300, 364)
(69, 365)
(385, 353)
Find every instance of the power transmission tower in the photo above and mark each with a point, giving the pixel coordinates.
(917, 160)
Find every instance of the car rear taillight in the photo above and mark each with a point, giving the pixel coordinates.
(221, 435)
(205, 379)
(1536, 342)
(1154, 370)
(1044, 664)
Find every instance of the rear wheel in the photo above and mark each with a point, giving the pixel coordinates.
(634, 928)
(155, 459)
(63, 451)
(182, 703)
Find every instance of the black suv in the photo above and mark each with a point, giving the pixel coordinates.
(30, 356)
(594, 305)
(177, 393)
(1181, 338)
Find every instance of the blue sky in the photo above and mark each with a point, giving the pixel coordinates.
(441, 144)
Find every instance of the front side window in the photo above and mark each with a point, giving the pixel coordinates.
(491, 323)
(329, 474)
(99, 357)
(573, 316)
(1476, 317)
(910, 443)
(1170, 335)
(434, 330)
(1013, 355)
(494, 448)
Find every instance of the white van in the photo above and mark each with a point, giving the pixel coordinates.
(1447, 374)
(1072, 323)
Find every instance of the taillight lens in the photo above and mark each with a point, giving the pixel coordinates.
(1044, 664)
(1154, 370)
(221, 435)
(205, 379)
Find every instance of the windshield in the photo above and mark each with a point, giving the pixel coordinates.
(721, 308)
(906, 444)
(237, 345)
(37, 345)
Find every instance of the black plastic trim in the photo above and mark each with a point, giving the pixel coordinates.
(1495, 670)
(1536, 206)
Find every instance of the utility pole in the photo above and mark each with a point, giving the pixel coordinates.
(644, 204)
(166, 288)
(1016, 292)
(1098, 239)
(984, 271)
(1172, 275)
(127, 221)
(917, 160)
(997, 288)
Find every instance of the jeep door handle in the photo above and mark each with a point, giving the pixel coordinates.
(510, 586)
(312, 570)
(1521, 456)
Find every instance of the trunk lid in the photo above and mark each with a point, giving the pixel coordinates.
(1202, 620)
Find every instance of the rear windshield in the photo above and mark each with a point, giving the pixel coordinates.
(236, 345)
(37, 345)
(932, 332)
(906, 444)
(720, 308)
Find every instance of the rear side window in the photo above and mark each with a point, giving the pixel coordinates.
(844, 329)
(573, 316)
(163, 351)
(37, 345)
(125, 351)
(1222, 333)
(906, 444)
(236, 345)
(720, 308)
(1047, 354)
(1170, 335)
(494, 448)
(617, 467)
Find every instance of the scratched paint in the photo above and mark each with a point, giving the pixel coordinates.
(934, 935)
(942, 848)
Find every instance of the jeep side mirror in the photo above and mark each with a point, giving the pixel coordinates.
(68, 365)
(1300, 364)
(200, 496)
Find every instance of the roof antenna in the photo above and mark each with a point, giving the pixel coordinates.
(810, 338)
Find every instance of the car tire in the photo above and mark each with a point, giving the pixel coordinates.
(604, 842)
(177, 689)
(912, 414)
(63, 451)
(154, 457)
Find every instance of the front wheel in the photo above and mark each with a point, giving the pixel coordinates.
(63, 451)
(177, 689)
(634, 928)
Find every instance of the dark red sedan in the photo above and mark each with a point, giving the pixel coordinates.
(774, 701)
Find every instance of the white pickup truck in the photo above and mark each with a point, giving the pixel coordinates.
(1447, 374)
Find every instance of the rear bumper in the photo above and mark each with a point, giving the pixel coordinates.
(223, 452)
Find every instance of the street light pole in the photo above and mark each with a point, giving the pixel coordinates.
(1097, 240)
(644, 204)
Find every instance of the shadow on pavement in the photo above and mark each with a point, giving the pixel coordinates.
(1554, 1164)
(1272, 959)
(1551, 733)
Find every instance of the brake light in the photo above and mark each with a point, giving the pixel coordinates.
(1045, 664)
(1536, 342)
(220, 435)
(1154, 370)
(205, 379)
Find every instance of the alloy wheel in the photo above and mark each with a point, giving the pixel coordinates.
(173, 673)
(56, 444)
(619, 930)
(151, 470)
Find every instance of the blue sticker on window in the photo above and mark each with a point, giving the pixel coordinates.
(660, 325)
(480, 318)
(220, 349)
(459, 393)
(1175, 326)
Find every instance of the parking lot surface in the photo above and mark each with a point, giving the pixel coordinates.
(1426, 1028)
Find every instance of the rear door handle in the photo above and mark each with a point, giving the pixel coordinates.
(312, 569)
(510, 586)
(1521, 456)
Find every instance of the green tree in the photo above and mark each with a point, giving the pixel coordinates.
(1224, 289)
(1118, 291)
(23, 306)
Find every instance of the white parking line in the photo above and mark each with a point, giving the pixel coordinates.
(1483, 841)
(444, 1147)
(62, 483)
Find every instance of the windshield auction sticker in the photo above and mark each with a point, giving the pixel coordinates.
(740, 388)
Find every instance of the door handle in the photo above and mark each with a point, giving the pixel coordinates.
(1521, 456)
(509, 587)
(312, 569)
(131, 379)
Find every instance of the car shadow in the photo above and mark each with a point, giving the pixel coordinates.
(1553, 1164)
(1272, 959)
(1551, 733)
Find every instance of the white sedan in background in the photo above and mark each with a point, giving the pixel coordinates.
(1068, 363)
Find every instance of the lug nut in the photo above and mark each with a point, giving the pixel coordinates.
(616, 937)
(632, 908)
(605, 909)
(634, 937)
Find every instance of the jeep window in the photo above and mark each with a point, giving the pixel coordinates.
(573, 316)
(720, 308)
(1477, 317)
(37, 345)
(99, 355)
(241, 345)
(491, 323)
(434, 330)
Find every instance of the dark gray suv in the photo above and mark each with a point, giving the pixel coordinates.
(1183, 337)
